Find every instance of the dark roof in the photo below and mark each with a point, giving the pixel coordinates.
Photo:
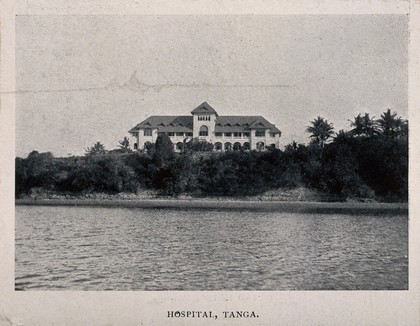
(204, 108)
(223, 124)
(161, 121)
(237, 123)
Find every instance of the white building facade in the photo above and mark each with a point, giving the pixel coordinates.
(224, 132)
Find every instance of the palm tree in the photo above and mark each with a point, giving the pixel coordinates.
(390, 124)
(293, 146)
(370, 125)
(358, 125)
(320, 131)
(342, 136)
(125, 143)
(403, 132)
(364, 125)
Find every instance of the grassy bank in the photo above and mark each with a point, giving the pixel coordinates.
(282, 194)
(286, 200)
(231, 204)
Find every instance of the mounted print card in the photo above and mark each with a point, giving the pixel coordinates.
(231, 160)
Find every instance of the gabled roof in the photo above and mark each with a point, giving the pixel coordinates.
(222, 124)
(163, 121)
(260, 123)
(236, 123)
(204, 108)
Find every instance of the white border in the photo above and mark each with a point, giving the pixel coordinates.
(135, 308)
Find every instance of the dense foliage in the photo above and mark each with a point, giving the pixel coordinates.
(369, 161)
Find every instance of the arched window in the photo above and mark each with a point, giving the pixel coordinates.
(147, 145)
(237, 146)
(246, 146)
(218, 146)
(228, 146)
(260, 146)
(204, 131)
(179, 145)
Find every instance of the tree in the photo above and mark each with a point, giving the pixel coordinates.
(357, 125)
(364, 125)
(390, 124)
(403, 129)
(163, 152)
(97, 149)
(291, 147)
(341, 171)
(149, 148)
(321, 130)
(342, 137)
(197, 145)
(37, 170)
(125, 143)
(103, 174)
(370, 126)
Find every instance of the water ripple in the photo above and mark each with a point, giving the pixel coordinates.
(93, 248)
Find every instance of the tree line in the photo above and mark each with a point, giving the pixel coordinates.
(368, 161)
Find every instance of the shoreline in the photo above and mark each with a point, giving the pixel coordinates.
(373, 208)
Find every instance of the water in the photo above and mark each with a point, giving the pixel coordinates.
(91, 248)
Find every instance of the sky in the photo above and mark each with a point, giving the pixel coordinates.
(83, 79)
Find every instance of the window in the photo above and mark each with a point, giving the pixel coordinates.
(171, 134)
(237, 134)
(180, 134)
(188, 134)
(147, 132)
(260, 146)
(246, 134)
(147, 145)
(260, 133)
(203, 118)
(204, 131)
(219, 134)
(272, 134)
(135, 145)
(228, 134)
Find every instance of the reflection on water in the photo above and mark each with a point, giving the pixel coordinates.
(86, 248)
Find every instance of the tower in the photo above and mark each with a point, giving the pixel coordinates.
(204, 122)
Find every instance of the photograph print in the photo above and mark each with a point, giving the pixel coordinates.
(211, 152)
